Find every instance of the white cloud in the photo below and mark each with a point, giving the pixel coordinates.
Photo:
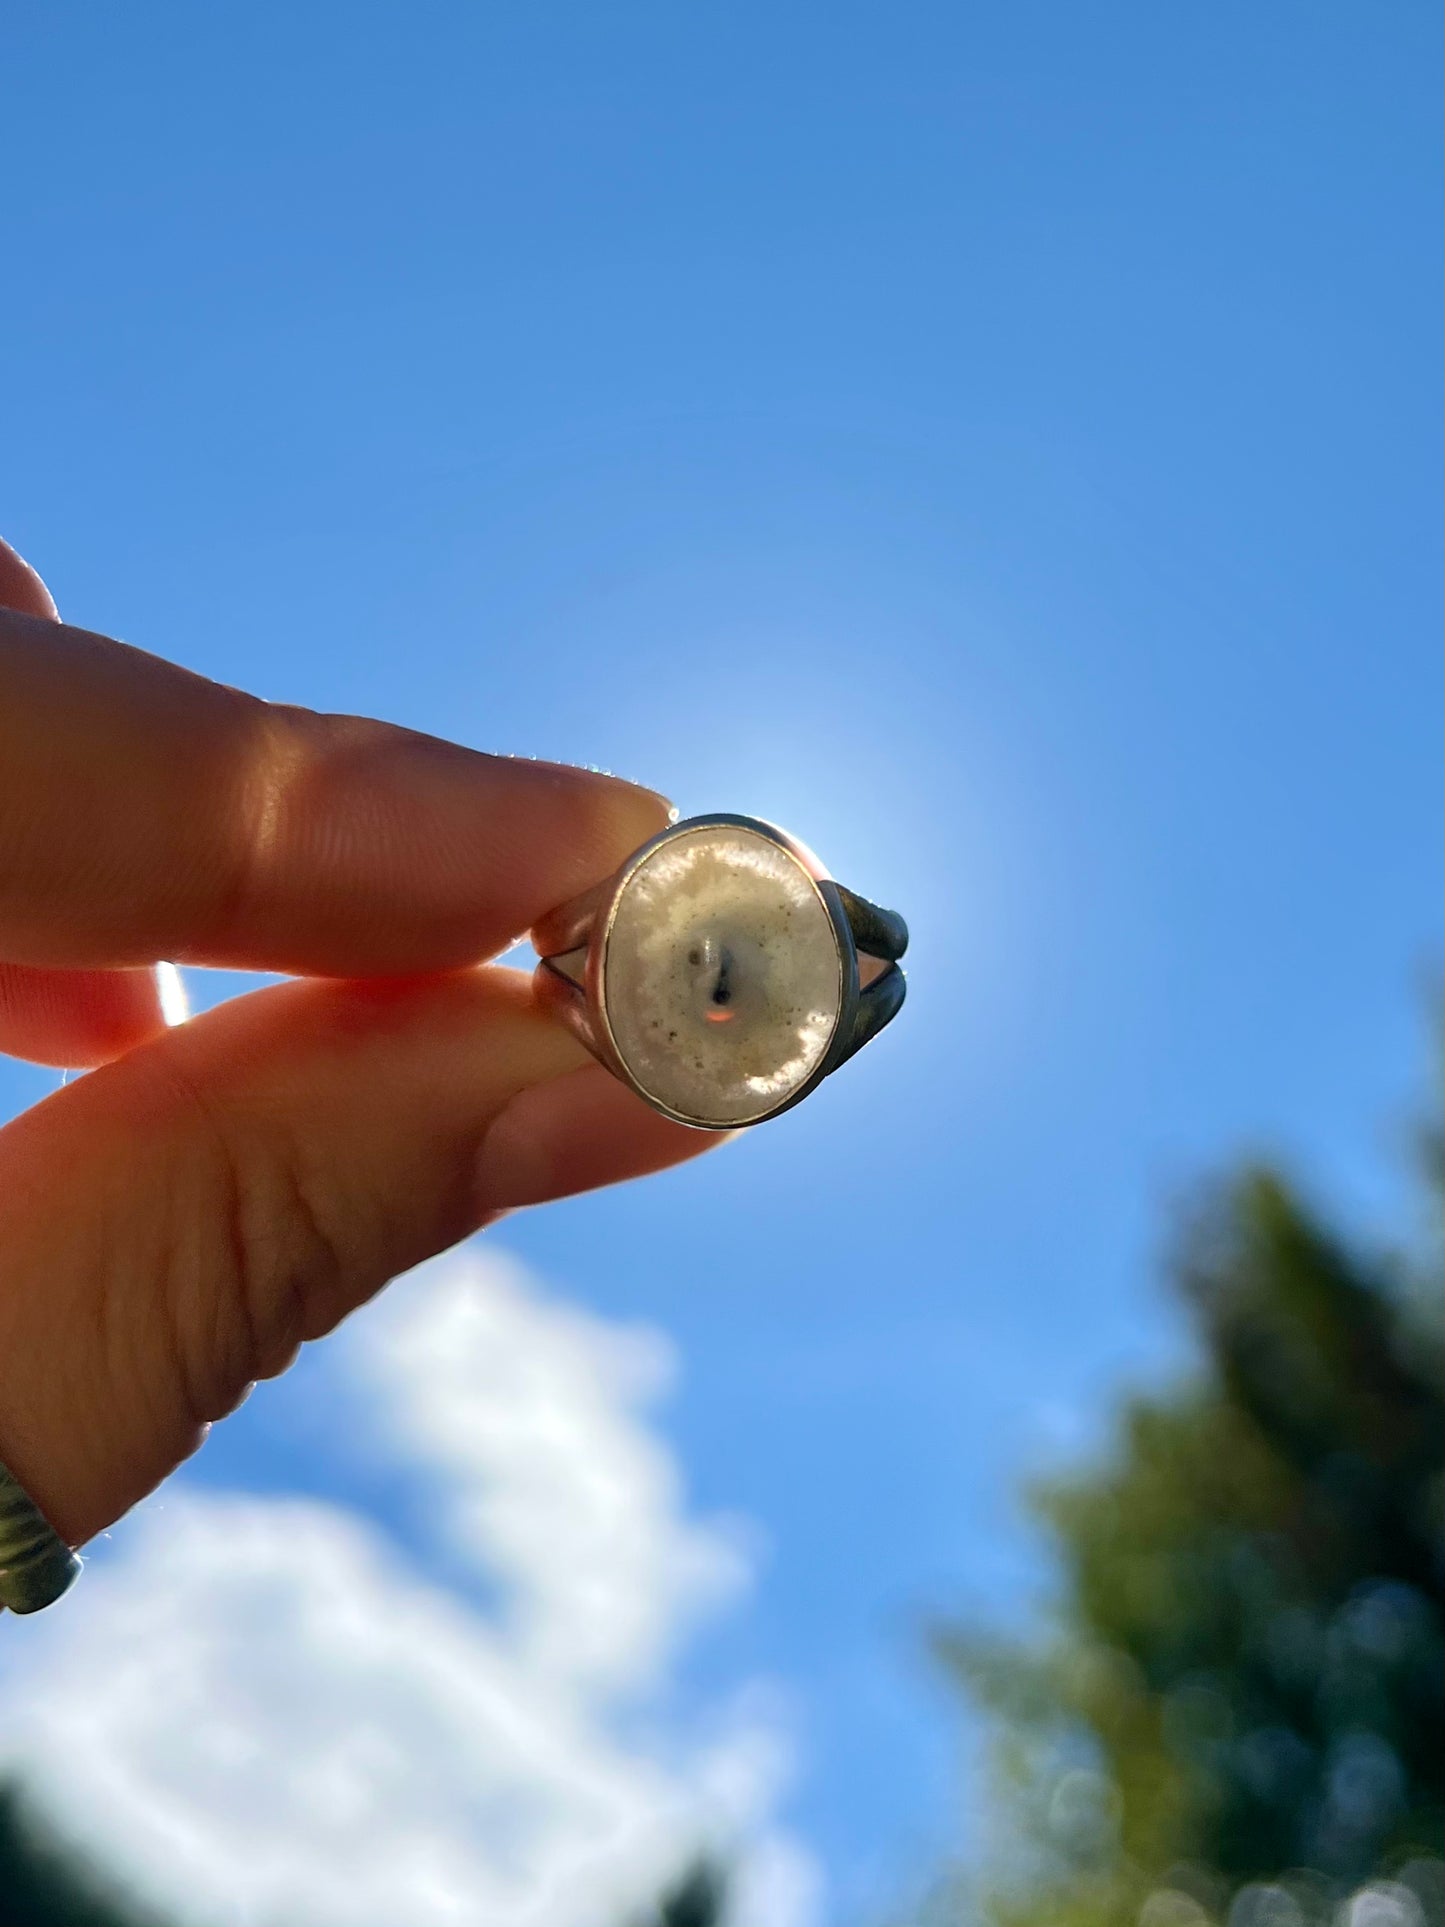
(525, 1412)
(252, 1700)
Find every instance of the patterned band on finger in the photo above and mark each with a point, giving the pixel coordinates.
(36, 1565)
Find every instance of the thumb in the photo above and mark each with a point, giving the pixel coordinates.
(177, 1223)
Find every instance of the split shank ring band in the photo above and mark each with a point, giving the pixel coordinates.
(721, 972)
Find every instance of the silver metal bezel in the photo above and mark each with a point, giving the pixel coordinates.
(580, 999)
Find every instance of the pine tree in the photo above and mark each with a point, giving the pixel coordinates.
(1236, 1713)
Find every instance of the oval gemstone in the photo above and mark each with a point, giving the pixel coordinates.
(722, 976)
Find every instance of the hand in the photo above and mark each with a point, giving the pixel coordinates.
(174, 1225)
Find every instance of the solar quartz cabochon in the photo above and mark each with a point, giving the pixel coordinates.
(722, 978)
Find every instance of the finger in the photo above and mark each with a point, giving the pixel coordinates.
(575, 1133)
(78, 1018)
(72, 1018)
(21, 587)
(148, 813)
(175, 1224)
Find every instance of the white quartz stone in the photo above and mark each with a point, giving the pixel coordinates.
(722, 977)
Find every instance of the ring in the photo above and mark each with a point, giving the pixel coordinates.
(36, 1565)
(721, 972)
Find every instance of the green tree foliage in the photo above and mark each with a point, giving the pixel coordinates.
(697, 1899)
(1235, 1715)
(45, 1883)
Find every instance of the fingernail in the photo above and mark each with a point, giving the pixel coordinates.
(616, 776)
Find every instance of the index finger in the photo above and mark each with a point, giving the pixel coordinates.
(147, 813)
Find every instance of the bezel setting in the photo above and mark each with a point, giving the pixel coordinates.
(573, 944)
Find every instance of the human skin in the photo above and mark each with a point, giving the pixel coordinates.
(175, 1225)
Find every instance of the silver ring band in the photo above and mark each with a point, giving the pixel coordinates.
(721, 972)
(36, 1565)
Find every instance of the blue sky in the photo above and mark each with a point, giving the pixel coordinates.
(998, 443)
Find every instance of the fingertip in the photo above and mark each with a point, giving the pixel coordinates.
(390, 851)
(21, 587)
(619, 815)
(574, 1133)
(76, 1019)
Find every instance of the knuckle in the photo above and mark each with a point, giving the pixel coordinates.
(306, 784)
(284, 1263)
(275, 744)
(252, 1265)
